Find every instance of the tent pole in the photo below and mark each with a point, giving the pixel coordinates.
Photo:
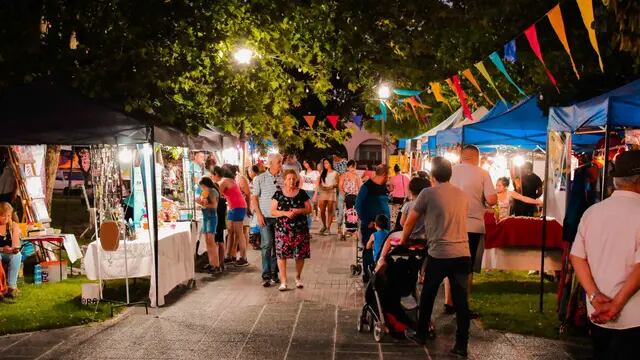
(544, 224)
(603, 190)
(154, 212)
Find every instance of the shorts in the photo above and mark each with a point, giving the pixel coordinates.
(236, 214)
(209, 221)
(475, 240)
(327, 195)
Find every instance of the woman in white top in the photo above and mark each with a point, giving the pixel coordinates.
(327, 195)
(506, 197)
(310, 180)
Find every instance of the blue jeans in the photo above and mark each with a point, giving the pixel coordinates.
(268, 248)
(310, 216)
(14, 261)
(340, 209)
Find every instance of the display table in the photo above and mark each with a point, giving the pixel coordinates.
(514, 244)
(176, 262)
(48, 244)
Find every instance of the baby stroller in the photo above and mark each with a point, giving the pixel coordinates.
(390, 296)
(350, 218)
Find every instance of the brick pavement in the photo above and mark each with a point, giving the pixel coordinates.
(233, 317)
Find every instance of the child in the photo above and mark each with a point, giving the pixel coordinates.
(377, 238)
(208, 199)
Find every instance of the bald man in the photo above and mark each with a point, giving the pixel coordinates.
(476, 183)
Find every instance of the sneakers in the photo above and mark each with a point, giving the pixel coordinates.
(213, 270)
(266, 283)
(459, 350)
(229, 261)
(413, 336)
(322, 231)
(242, 262)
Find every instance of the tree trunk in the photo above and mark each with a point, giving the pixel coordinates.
(51, 168)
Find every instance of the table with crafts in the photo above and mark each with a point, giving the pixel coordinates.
(176, 243)
(49, 244)
(514, 243)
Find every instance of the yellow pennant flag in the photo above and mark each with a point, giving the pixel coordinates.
(485, 74)
(586, 10)
(436, 89)
(469, 75)
(555, 18)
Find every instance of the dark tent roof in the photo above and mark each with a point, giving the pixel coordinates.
(42, 113)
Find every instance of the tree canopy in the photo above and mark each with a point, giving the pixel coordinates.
(174, 58)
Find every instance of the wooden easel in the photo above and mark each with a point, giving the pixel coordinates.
(27, 203)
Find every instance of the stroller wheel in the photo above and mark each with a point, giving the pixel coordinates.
(358, 269)
(361, 323)
(353, 270)
(370, 322)
(378, 332)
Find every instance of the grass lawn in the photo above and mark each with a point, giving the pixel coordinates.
(58, 305)
(509, 301)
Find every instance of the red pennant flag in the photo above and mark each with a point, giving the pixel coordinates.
(310, 119)
(333, 119)
(532, 37)
(461, 96)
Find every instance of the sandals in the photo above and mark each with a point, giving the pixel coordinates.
(283, 287)
(299, 284)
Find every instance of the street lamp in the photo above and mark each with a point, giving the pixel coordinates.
(243, 56)
(384, 92)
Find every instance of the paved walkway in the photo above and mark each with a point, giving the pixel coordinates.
(233, 317)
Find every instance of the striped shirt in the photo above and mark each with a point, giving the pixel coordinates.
(265, 186)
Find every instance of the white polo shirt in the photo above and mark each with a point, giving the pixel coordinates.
(609, 238)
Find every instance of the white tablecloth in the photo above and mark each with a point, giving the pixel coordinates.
(69, 242)
(176, 262)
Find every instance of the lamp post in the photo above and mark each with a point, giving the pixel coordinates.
(384, 92)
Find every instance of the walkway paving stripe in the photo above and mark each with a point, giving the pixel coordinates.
(380, 355)
(251, 331)
(293, 331)
(17, 342)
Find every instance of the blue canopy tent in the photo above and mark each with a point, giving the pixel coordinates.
(612, 111)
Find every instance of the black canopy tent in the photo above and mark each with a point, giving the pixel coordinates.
(45, 114)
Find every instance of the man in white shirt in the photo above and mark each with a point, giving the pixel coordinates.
(606, 259)
(478, 186)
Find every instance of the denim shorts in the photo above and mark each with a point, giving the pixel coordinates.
(209, 221)
(236, 214)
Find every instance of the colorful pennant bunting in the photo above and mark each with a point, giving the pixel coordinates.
(586, 10)
(310, 119)
(532, 37)
(383, 110)
(461, 96)
(555, 18)
(469, 76)
(510, 51)
(333, 120)
(357, 119)
(495, 59)
(405, 92)
(485, 74)
(377, 117)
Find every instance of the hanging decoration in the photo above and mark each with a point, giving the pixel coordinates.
(310, 119)
(333, 120)
(495, 59)
(532, 38)
(436, 89)
(469, 76)
(510, 51)
(483, 71)
(357, 119)
(413, 103)
(555, 18)
(586, 10)
(405, 92)
(383, 110)
(461, 96)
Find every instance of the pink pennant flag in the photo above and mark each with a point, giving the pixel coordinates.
(333, 119)
(532, 37)
(310, 119)
(461, 96)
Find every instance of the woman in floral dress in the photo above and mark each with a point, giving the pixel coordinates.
(291, 206)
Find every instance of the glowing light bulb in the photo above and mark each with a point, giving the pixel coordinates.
(243, 56)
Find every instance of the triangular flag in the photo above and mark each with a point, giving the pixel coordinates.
(495, 59)
(461, 96)
(333, 120)
(310, 119)
(555, 18)
(485, 74)
(436, 89)
(510, 51)
(469, 75)
(532, 37)
(586, 10)
(357, 119)
(383, 110)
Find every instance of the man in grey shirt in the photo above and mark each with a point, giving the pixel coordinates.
(444, 209)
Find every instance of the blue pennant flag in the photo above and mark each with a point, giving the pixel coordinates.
(357, 119)
(510, 51)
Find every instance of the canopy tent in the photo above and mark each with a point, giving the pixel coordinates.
(523, 125)
(617, 108)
